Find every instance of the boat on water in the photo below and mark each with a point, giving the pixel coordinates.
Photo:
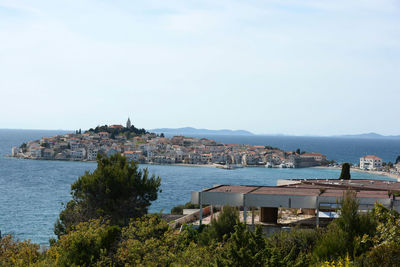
(228, 166)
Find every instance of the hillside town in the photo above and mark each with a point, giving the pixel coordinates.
(157, 149)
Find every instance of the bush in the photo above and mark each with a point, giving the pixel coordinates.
(86, 244)
(15, 253)
(291, 248)
(147, 241)
(332, 245)
(220, 228)
(386, 255)
(244, 248)
(344, 235)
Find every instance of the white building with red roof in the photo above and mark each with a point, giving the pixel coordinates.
(370, 162)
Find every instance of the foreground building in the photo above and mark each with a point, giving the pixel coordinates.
(317, 197)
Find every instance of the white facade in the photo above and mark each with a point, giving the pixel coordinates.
(370, 162)
(92, 154)
(78, 154)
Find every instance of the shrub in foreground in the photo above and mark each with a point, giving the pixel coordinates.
(291, 248)
(16, 253)
(87, 244)
(221, 227)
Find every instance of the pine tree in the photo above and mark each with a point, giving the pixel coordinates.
(345, 174)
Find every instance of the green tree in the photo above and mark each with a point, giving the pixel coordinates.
(291, 248)
(332, 245)
(345, 174)
(345, 233)
(148, 241)
(384, 242)
(244, 248)
(222, 227)
(86, 244)
(117, 190)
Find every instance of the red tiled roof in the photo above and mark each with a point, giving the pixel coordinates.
(372, 157)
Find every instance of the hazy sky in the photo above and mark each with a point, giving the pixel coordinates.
(294, 67)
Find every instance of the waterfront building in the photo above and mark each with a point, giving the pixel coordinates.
(77, 154)
(132, 155)
(48, 153)
(92, 154)
(370, 162)
(317, 156)
(35, 151)
(152, 148)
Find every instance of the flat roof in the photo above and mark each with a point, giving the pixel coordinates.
(364, 188)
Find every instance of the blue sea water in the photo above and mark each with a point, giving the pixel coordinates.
(32, 191)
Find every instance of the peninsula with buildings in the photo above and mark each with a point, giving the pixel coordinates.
(143, 147)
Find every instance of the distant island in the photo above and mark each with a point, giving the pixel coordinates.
(194, 131)
(368, 136)
(190, 131)
(143, 146)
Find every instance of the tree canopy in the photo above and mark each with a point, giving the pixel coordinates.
(117, 190)
(345, 174)
(117, 131)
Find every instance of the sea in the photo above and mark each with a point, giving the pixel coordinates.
(33, 192)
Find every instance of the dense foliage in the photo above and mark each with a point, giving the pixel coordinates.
(131, 131)
(221, 227)
(105, 239)
(117, 190)
(14, 253)
(352, 240)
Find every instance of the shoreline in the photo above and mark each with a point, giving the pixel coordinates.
(214, 165)
(379, 173)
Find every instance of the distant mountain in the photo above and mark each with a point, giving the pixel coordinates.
(369, 135)
(194, 131)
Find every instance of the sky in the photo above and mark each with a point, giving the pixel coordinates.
(316, 67)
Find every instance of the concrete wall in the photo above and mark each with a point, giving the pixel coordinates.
(283, 201)
(190, 217)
